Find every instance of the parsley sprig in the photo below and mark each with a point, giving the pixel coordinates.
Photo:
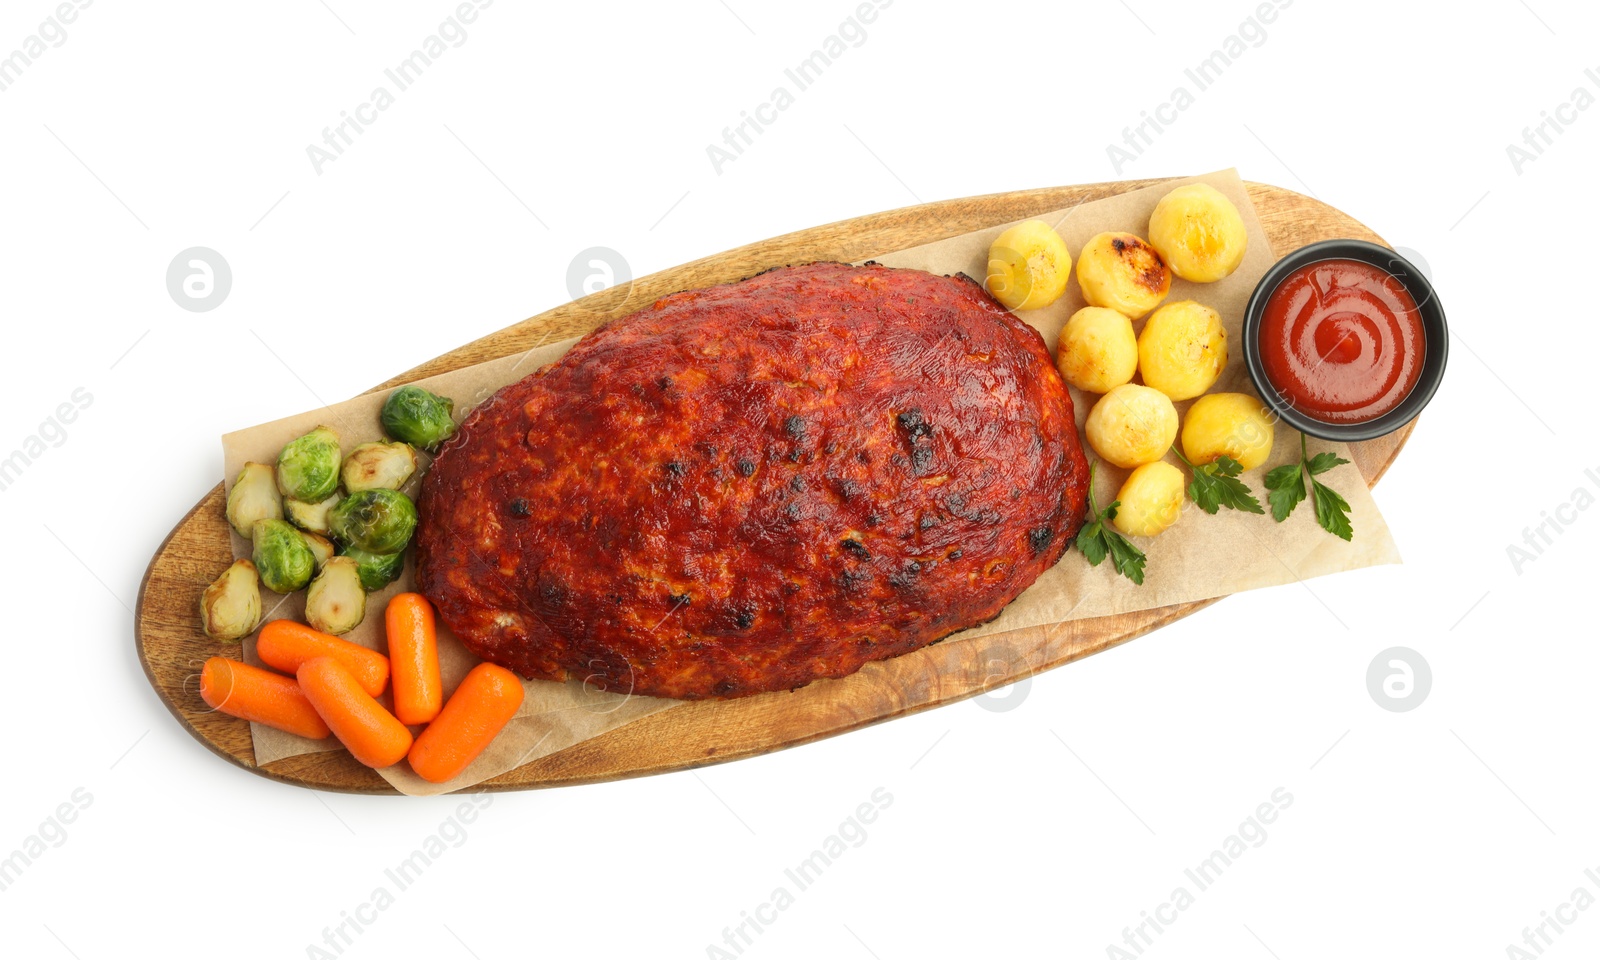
(1097, 540)
(1286, 487)
(1216, 485)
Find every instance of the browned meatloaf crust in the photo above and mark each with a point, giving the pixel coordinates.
(752, 486)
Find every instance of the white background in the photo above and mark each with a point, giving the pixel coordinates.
(1048, 828)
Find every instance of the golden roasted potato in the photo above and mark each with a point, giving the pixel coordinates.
(1029, 266)
(1121, 271)
(1097, 350)
(1198, 232)
(1182, 349)
(1151, 500)
(1236, 425)
(1132, 425)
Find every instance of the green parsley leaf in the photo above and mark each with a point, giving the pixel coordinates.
(1090, 543)
(1097, 540)
(1323, 462)
(1214, 485)
(1286, 487)
(1285, 490)
(1333, 513)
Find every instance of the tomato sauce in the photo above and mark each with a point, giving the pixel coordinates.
(1342, 341)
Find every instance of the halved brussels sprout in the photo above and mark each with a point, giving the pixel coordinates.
(379, 521)
(281, 556)
(377, 570)
(379, 465)
(322, 549)
(254, 497)
(312, 517)
(231, 607)
(336, 603)
(308, 466)
(418, 417)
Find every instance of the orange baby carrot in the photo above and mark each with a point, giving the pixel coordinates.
(371, 734)
(254, 694)
(285, 645)
(414, 658)
(484, 703)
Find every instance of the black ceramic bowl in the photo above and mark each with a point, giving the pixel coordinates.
(1435, 335)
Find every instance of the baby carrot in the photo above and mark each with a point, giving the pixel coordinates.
(254, 694)
(414, 658)
(285, 645)
(371, 734)
(485, 702)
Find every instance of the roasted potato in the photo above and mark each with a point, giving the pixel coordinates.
(1029, 266)
(1132, 425)
(1182, 349)
(1097, 350)
(1198, 232)
(1122, 272)
(1235, 425)
(1151, 500)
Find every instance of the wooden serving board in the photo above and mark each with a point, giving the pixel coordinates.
(171, 646)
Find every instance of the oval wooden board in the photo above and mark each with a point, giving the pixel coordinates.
(171, 646)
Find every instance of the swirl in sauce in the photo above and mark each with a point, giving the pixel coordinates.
(1342, 341)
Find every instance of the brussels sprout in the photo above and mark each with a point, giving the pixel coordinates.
(379, 466)
(308, 466)
(312, 517)
(322, 549)
(254, 497)
(335, 603)
(231, 607)
(377, 570)
(418, 417)
(281, 555)
(379, 521)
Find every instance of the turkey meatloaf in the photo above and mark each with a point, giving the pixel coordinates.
(752, 486)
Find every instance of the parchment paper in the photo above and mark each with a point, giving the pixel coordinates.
(1200, 557)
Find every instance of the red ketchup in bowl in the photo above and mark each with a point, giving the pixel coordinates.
(1342, 341)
